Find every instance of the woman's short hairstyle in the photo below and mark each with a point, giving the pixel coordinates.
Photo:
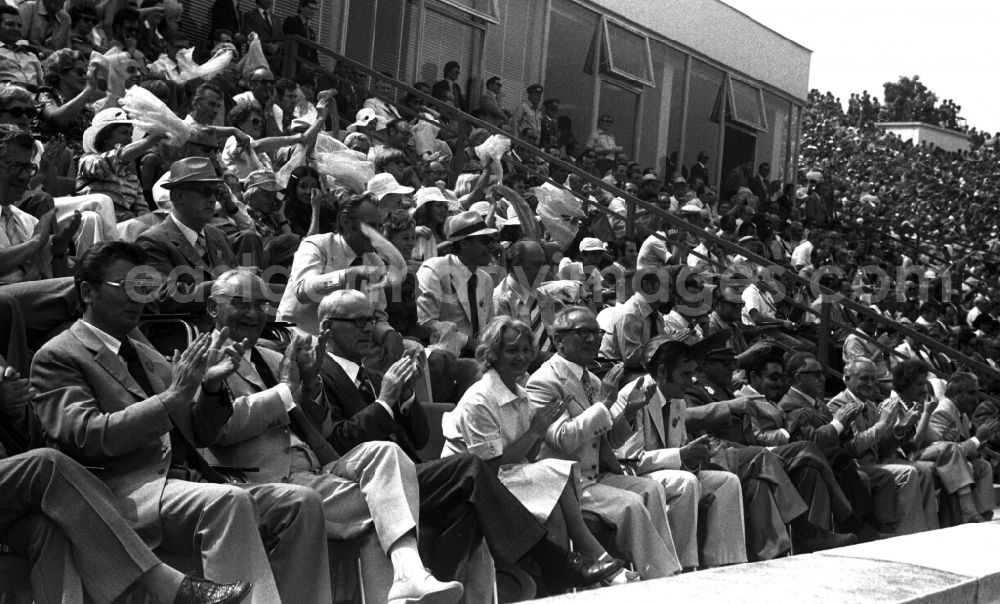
(397, 221)
(58, 62)
(242, 111)
(907, 372)
(387, 156)
(11, 93)
(491, 340)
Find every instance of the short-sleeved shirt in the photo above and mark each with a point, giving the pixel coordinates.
(106, 173)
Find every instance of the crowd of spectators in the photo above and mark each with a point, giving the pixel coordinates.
(635, 394)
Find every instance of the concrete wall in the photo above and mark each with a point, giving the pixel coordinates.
(920, 133)
(726, 35)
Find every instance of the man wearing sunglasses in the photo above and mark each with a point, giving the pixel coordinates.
(587, 432)
(185, 249)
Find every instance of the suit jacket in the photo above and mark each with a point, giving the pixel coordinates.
(698, 171)
(253, 21)
(584, 433)
(948, 423)
(294, 26)
(98, 414)
(655, 444)
(865, 433)
(456, 91)
(259, 433)
(807, 421)
(443, 298)
(179, 263)
(353, 421)
(226, 15)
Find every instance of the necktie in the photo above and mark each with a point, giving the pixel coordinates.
(587, 387)
(473, 305)
(267, 20)
(201, 247)
(131, 357)
(12, 227)
(365, 386)
(537, 328)
(654, 325)
(300, 423)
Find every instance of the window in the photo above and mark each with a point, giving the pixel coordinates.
(626, 53)
(743, 104)
(484, 9)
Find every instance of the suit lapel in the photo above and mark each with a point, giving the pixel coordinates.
(109, 361)
(462, 293)
(181, 243)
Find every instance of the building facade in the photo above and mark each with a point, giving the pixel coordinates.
(680, 76)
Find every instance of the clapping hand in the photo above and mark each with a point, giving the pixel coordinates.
(187, 370)
(847, 413)
(609, 385)
(222, 359)
(545, 415)
(988, 430)
(397, 377)
(15, 392)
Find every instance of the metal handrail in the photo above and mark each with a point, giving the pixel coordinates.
(777, 271)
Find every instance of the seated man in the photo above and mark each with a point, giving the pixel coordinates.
(456, 294)
(633, 324)
(185, 249)
(65, 521)
(260, 193)
(346, 259)
(17, 62)
(659, 449)
(808, 419)
(518, 295)
(950, 423)
(587, 431)
(903, 495)
(112, 401)
(269, 430)
(459, 494)
(33, 263)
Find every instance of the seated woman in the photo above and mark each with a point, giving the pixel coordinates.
(242, 159)
(65, 106)
(495, 421)
(308, 210)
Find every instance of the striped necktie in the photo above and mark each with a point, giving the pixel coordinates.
(537, 327)
(587, 386)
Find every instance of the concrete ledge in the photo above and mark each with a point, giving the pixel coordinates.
(956, 564)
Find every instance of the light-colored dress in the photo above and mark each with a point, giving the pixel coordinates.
(490, 417)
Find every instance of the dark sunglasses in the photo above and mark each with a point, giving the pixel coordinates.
(262, 83)
(256, 121)
(19, 112)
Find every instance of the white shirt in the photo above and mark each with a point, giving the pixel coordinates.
(190, 234)
(113, 344)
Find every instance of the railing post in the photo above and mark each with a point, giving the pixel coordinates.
(458, 159)
(288, 61)
(823, 340)
(629, 218)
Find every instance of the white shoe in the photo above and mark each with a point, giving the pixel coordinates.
(425, 590)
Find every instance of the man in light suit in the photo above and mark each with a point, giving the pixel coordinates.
(455, 292)
(659, 449)
(185, 249)
(109, 400)
(950, 424)
(273, 397)
(588, 430)
(459, 494)
(900, 496)
(64, 520)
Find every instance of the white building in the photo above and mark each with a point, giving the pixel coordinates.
(675, 75)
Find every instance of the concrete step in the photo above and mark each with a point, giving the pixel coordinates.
(947, 565)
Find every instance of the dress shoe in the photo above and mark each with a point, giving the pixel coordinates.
(626, 576)
(870, 533)
(424, 590)
(821, 539)
(194, 590)
(588, 571)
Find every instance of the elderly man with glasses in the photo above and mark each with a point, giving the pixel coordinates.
(587, 432)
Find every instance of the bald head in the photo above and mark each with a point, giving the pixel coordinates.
(349, 317)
